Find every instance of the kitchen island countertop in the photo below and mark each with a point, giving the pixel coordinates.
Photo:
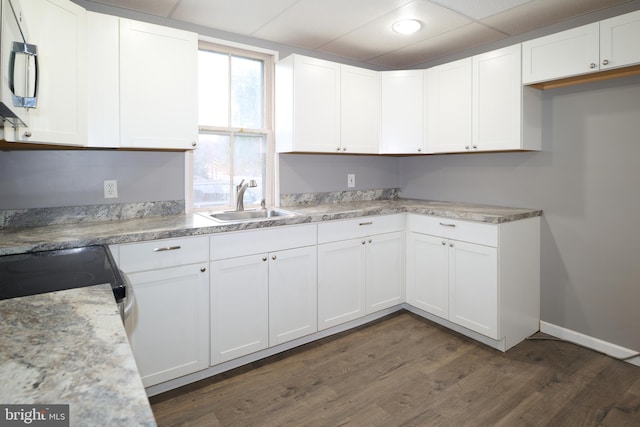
(53, 237)
(70, 347)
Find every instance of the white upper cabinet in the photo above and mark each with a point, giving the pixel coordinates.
(158, 86)
(359, 110)
(58, 28)
(479, 104)
(402, 121)
(449, 104)
(563, 54)
(620, 41)
(603, 45)
(142, 85)
(506, 115)
(104, 81)
(325, 107)
(307, 105)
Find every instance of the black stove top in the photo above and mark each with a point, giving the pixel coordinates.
(57, 270)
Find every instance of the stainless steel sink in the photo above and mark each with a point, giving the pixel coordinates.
(253, 215)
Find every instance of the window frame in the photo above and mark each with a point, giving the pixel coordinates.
(269, 59)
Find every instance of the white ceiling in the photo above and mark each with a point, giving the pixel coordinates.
(361, 29)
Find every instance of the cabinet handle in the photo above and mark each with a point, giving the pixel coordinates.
(370, 241)
(203, 269)
(444, 224)
(466, 147)
(451, 245)
(366, 223)
(592, 65)
(344, 149)
(27, 134)
(605, 62)
(264, 258)
(419, 150)
(364, 241)
(167, 248)
(274, 257)
(338, 149)
(193, 144)
(444, 243)
(475, 147)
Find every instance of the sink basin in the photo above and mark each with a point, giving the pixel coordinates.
(254, 215)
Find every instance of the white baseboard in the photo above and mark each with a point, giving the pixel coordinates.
(596, 344)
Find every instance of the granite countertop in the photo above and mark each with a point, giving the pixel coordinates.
(52, 237)
(70, 347)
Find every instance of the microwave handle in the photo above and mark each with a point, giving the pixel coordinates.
(26, 49)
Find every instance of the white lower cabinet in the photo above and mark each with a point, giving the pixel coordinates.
(428, 273)
(292, 294)
(473, 287)
(483, 277)
(341, 282)
(384, 271)
(239, 307)
(360, 275)
(169, 327)
(263, 289)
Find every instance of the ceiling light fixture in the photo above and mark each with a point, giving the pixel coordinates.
(406, 26)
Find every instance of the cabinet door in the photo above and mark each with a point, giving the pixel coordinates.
(473, 287)
(620, 41)
(385, 271)
(58, 28)
(169, 326)
(239, 307)
(402, 114)
(559, 55)
(158, 86)
(448, 96)
(315, 125)
(497, 100)
(103, 81)
(341, 282)
(428, 273)
(360, 110)
(292, 294)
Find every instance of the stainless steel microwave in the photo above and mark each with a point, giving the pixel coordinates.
(19, 68)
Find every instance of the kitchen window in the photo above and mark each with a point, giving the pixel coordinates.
(235, 120)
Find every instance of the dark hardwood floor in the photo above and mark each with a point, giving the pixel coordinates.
(406, 371)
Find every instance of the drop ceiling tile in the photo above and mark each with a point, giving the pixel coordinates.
(480, 9)
(312, 23)
(460, 39)
(235, 16)
(153, 7)
(541, 13)
(377, 37)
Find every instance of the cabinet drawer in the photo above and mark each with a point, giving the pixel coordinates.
(333, 231)
(241, 243)
(163, 253)
(466, 231)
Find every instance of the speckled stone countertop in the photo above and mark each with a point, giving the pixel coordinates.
(70, 347)
(133, 230)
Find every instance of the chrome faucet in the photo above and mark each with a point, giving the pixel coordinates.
(240, 189)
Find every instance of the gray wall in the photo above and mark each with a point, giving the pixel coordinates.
(305, 173)
(53, 178)
(586, 180)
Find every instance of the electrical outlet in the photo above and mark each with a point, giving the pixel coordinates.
(111, 189)
(351, 180)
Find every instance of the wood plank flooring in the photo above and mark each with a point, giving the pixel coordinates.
(403, 370)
